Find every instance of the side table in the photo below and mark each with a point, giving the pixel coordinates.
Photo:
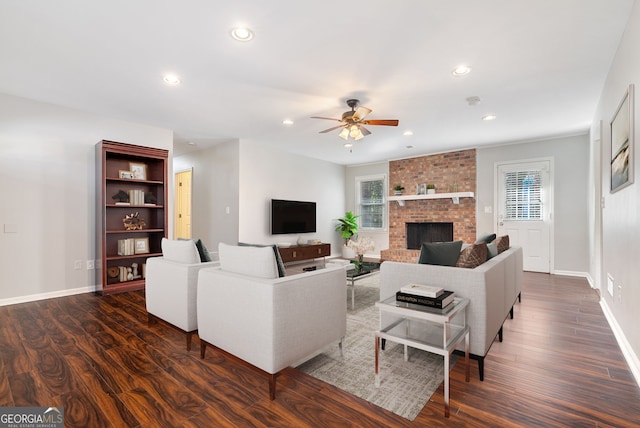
(433, 330)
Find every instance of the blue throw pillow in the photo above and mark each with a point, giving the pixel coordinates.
(440, 253)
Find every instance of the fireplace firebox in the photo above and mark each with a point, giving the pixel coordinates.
(417, 233)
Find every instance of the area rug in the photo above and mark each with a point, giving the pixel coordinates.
(405, 387)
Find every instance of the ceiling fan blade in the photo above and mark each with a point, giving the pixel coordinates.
(381, 122)
(361, 113)
(364, 130)
(326, 118)
(331, 129)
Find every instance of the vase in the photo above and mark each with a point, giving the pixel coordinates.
(348, 253)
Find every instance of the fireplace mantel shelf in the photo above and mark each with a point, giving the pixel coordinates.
(455, 197)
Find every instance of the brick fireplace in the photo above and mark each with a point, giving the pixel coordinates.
(446, 171)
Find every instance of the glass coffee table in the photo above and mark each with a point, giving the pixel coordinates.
(355, 273)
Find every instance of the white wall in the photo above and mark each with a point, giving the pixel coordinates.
(267, 173)
(380, 239)
(571, 179)
(215, 191)
(620, 250)
(47, 194)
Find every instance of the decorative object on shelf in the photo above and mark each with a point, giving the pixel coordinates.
(141, 245)
(133, 221)
(300, 240)
(397, 190)
(150, 198)
(127, 175)
(348, 227)
(622, 133)
(421, 189)
(455, 186)
(139, 170)
(121, 196)
(113, 272)
(360, 247)
(431, 189)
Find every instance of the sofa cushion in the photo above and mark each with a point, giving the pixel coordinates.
(473, 256)
(492, 250)
(181, 251)
(440, 253)
(503, 243)
(486, 237)
(252, 261)
(281, 269)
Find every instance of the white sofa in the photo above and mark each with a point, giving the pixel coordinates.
(492, 288)
(271, 323)
(171, 285)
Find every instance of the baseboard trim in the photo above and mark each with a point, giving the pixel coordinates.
(43, 296)
(572, 273)
(625, 346)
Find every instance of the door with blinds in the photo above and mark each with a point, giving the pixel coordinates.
(525, 212)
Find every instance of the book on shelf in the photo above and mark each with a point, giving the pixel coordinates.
(422, 290)
(442, 301)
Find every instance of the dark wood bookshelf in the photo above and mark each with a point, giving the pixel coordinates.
(113, 160)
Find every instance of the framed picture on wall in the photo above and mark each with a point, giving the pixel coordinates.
(622, 142)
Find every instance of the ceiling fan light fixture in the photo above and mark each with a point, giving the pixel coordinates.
(344, 134)
(359, 136)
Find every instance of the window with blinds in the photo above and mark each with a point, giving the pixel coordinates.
(371, 202)
(523, 195)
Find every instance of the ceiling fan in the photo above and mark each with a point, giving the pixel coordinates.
(353, 121)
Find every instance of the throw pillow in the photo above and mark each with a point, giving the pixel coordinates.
(440, 253)
(202, 250)
(473, 256)
(281, 269)
(486, 237)
(492, 250)
(248, 260)
(503, 243)
(180, 251)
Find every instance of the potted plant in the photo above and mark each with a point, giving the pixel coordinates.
(397, 190)
(431, 189)
(348, 226)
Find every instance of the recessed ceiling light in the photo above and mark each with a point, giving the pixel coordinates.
(287, 122)
(461, 70)
(489, 117)
(242, 34)
(191, 143)
(348, 144)
(171, 79)
(407, 133)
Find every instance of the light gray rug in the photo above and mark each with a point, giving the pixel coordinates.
(405, 387)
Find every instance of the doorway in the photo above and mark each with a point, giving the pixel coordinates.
(525, 210)
(182, 216)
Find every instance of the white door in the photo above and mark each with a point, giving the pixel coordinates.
(525, 210)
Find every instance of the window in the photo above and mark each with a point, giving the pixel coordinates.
(371, 202)
(523, 196)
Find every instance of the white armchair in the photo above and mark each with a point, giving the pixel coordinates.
(171, 285)
(271, 323)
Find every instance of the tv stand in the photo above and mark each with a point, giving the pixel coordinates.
(297, 253)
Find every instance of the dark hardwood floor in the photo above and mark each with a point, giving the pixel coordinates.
(559, 365)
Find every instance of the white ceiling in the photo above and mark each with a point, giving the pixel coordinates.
(539, 66)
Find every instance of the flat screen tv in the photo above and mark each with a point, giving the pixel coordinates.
(292, 217)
